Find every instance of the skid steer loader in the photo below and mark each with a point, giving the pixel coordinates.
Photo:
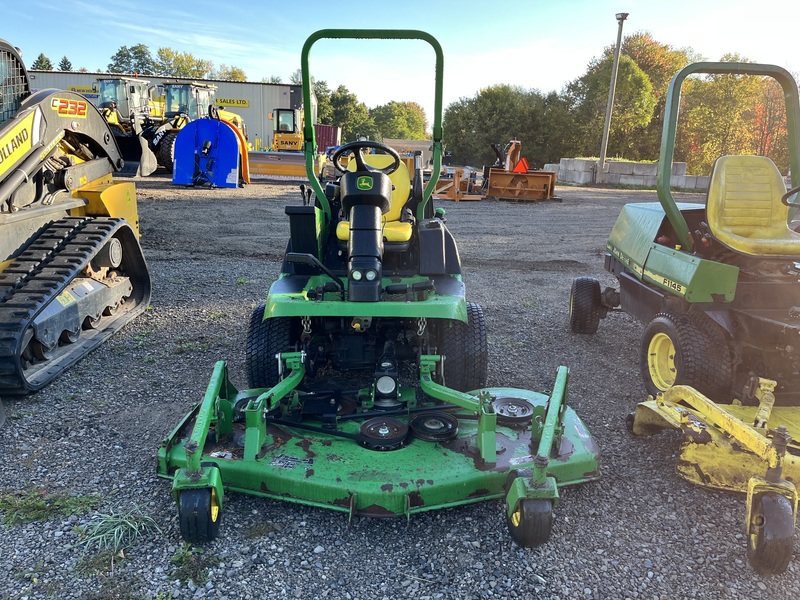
(72, 271)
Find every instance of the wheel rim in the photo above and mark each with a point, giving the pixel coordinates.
(661, 361)
(214, 506)
(516, 516)
(571, 302)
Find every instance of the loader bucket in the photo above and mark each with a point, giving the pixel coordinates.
(139, 159)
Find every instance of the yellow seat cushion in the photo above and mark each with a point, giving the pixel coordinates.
(744, 208)
(394, 230)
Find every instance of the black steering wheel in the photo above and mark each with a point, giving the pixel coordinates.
(357, 149)
(789, 194)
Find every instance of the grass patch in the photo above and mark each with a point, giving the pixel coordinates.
(260, 530)
(241, 280)
(113, 532)
(184, 346)
(140, 339)
(193, 563)
(39, 505)
(114, 589)
(98, 564)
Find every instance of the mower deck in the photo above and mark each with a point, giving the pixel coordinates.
(747, 449)
(293, 450)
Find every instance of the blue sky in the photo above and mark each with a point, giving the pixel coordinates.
(533, 44)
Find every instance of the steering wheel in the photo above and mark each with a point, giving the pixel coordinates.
(789, 194)
(357, 149)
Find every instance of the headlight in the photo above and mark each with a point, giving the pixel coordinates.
(385, 385)
(356, 275)
(371, 275)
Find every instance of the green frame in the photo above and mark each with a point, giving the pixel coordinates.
(309, 139)
(781, 75)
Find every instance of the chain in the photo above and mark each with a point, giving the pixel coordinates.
(306, 321)
(421, 323)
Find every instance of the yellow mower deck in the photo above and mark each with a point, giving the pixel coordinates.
(748, 449)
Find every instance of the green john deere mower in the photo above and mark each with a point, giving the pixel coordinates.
(718, 285)
(367, 368)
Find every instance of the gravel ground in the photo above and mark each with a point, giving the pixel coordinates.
(639, 532)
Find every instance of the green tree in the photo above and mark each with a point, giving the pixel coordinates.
(65, 65)
(136, 59)
(272, 79)
(351, 115)
(770, 133)
(634, 102)
(498, 114)
(296, 77)
(230, 73)
(660, 62)
(404, 120)
(170, 63)
(324, 106)
(42, 63)
(718, 117)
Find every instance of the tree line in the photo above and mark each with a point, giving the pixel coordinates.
(720, 114)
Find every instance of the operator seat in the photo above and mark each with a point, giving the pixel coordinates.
(744, 208)
(396, 233)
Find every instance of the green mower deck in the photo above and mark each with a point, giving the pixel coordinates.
(448, 449)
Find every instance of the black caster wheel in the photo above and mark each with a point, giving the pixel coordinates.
(199, 515)
(531, 523)
(771, 534)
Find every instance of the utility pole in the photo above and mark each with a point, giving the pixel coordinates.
(600, 175)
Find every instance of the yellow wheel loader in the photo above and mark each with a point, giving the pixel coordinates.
(72, 270)
(130, 106)
(185, 102)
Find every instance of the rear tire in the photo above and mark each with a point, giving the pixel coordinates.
(685, 350)
(265, 339)
(584, 305)
(199, 515)
(465, 350)
(166, 152)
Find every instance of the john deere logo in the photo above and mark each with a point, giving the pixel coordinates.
(364, 183)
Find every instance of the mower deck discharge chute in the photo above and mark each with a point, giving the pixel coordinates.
(719, 286)
(367, 369)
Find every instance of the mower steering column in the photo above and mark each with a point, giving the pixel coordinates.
(366, 196)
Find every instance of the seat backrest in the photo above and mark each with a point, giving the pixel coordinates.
(744, 208)
(401, 183)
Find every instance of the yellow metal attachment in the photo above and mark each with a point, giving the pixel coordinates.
(759, 485)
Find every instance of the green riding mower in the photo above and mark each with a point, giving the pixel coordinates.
(367, 368)
(718, 285)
